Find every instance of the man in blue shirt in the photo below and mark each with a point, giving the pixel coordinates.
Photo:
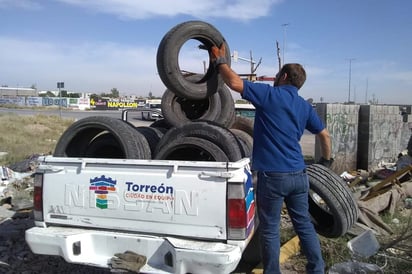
(280, 120)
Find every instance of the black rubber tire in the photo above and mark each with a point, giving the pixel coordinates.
(94, 133)
(220, 136)
(227, 112)
(168, 59)
(331, 204)
(409, 147)
(103, 145)
(191, 149)
(161, 123)
(179, 111)
(245, 139)
(245, 124)
(152, 135)
(252, 256)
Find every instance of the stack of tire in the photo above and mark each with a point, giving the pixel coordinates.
(199, 124)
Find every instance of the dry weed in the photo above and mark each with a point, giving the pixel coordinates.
(23, 136)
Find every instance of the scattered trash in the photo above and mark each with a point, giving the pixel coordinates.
(128, 260)
(364, 245)
(354, 268)
(408, 203)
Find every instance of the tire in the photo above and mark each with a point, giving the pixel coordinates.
(88, 136)
(179, 111)
(161, 124)
(219, 136)
(103, 145)
(409, 147)
(168, 60)
(191, 149)
(246, 141)
(227, 112)
(245, 124)
(331, 204)
(251, 256)
(152, 135)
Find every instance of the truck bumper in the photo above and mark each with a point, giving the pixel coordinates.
(164, 254)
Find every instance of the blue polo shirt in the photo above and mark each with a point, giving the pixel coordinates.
(280, 120)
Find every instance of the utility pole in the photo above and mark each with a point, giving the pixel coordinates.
(284, 41)
(60, 85)
(350, 75)
(253, 64)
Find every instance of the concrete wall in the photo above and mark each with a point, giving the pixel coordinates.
(364, 136)
(342, 122)
(383, 134)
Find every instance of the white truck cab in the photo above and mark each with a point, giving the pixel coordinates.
(152, 109)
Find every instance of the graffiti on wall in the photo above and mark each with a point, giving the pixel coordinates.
(49, 101)
(385, 135)
(343, 131)
(18, 101)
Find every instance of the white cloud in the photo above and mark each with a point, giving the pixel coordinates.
(131, 9)
(23, 4)
(86, 67)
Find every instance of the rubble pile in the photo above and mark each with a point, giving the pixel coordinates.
(16, 203)
(384, 189)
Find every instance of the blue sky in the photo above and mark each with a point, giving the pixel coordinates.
(97, 45)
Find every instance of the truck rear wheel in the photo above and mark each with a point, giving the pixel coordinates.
(168, 59)
(331, 204)
(91, 136)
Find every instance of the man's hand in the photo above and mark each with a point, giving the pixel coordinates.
(327, 163)
(218, 56)
(216, 52)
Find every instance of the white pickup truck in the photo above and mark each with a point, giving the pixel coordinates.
(181, 197)
(183, 216)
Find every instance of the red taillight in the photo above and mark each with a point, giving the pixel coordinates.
(237, 213)
(38, 197)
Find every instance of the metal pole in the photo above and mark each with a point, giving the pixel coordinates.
(350, 75)
(60, 103)
(284, 39)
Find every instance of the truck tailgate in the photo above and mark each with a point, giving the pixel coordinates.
(151, 196)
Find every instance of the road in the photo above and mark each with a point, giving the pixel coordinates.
(132, 116)
(307, 142)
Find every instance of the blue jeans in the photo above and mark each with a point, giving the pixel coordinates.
(292, 188)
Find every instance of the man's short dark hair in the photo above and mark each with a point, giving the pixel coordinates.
(296, 74)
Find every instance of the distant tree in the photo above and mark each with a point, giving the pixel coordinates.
(95, 97)
(150, 95)
(63, 93)
(115, 93)
(73, 95)
(33, 86)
